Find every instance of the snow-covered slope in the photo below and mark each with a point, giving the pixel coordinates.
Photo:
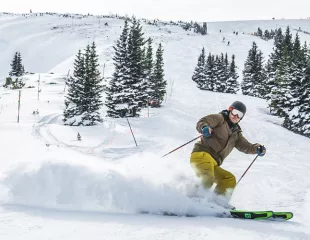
(55, 187)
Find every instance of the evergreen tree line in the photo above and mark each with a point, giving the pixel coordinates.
(18, 69)
(137, 78)
(83, 99)
(216, 73)
(196, 27)
(284, 81)
(266, 35)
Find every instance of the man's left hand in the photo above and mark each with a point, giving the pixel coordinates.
(261, 150)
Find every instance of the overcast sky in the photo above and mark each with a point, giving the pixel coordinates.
(197, 10)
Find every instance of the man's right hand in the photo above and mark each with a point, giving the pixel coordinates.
(206, 131)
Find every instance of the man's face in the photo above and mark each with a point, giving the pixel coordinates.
(235, 115)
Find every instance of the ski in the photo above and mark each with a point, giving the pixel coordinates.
(257, 215)
(283, 215)
(240, 214)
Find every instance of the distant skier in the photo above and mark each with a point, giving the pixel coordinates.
(221, 133)
(228, 43)
(223, 39)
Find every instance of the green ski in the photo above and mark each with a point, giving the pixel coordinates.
(251, 214)
(241, 214)
(283, 215)
(259, 215)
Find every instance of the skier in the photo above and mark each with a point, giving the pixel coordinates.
(220, 134)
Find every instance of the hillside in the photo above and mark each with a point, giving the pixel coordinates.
(55, 187)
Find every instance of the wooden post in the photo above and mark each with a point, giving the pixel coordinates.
(148, 110)
(20, 92)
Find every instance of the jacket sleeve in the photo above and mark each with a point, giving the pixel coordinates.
(212, 120)
(243, 145)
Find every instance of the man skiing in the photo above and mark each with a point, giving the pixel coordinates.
(220, 134)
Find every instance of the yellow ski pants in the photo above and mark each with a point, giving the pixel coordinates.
(208, 170)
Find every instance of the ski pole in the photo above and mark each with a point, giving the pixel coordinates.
(181, 146)
(247, 169)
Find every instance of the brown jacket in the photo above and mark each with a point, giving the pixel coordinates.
(223, 139)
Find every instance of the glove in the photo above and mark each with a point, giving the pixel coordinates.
(206, 131)
(261, 150)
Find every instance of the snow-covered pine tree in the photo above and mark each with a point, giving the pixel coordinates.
(136, 94)
(304, 109)
(158, 82)
(248, 85)
(148, 66)
(287, 41)
(299, 78)
(14, 63)
(219, 72)
(93, 88)
(260, 77)
(259, 32)
(279, 104)
(281, 95)
(73, 99)
(209, 73)
(266, 35)
(232, 83)
(298, 65)
(115, 96)
(199, 72)
(273, 63)
(19, 66)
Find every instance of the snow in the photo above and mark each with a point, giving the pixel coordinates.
(53, 186)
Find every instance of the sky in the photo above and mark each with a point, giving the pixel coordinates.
(196, 10)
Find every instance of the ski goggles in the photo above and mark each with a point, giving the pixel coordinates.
(236, 112)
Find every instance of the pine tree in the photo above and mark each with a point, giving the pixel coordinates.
(298, 87)
(253, 75)
(14, 64)
(136, 94)
(261, 76)
(93, 88)
(74, 98)
(303, 124)
(273, 64)
(116, 99)
(210, 74)
(266, 35)
(259, 32)
(298, 65)
(148, 66)
(287, 42)
(83, 100)
(220, 73)
(199, 72)
(232, 83)
(159, 84)
(281, 95)
(19, 66)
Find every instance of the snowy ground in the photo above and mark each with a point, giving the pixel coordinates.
(55, 187)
